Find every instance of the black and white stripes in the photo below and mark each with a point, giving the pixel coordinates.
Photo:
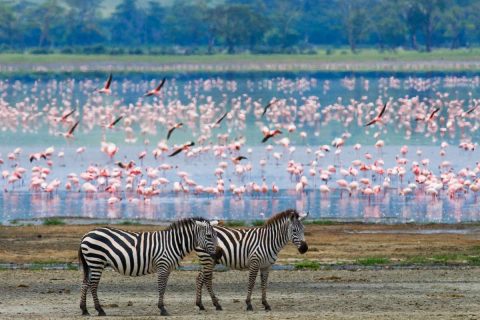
(255, 248)
(137, 254)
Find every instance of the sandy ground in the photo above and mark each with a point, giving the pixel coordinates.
(328, 244)
(382, 294)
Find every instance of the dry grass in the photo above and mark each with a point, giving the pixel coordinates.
(344, 243)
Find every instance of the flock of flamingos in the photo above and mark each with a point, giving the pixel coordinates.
(246, 145)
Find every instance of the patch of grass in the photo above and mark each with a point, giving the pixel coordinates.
(36, 266)
(41, 265)
(130, 223)
(473, 260)
(71, 266)
(53, 222)
(47, 262)
(307, 265)
(258, 223)
(320, 222)
(443, 259)
(372, 261)
(446, 258)
(416, 260)
(245, 61)
(235, 223)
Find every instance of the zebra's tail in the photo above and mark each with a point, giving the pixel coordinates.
(84, 264)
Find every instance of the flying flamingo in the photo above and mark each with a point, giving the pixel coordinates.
(378, 118)
(182, 148)
(69, 134)
(106, 88)
(156, 91)
(175, 126)
(271, 134)
(265, 109)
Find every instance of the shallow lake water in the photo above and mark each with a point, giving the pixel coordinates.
(316, 104)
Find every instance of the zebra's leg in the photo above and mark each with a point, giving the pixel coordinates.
(208, 279)
(264, 278)
(199, 285)
(94, 280)
(252, 275)
(85, 283)
(83, 296)
(163, 274)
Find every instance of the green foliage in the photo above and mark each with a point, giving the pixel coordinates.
(416, 260)
(258, 223)
(130, 223)
(53, 222)
(446, 258)
(235, 223)
(307, 265)
(475, 260)
(261, 26)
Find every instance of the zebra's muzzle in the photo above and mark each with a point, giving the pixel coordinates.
(303, 247)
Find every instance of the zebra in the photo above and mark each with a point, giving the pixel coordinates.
(255, 248)
(141, 253)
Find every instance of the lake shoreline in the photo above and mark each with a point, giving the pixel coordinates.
(367, 61)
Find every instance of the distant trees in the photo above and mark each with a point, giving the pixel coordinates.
(388, 28)
(126, 24)
(153, 24)
(237, 25)
(83, 23)
(355, 20)
(50, 22)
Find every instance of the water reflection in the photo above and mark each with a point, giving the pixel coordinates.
(385, 208)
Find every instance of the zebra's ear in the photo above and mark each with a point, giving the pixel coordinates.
(303, 216)
(214, 223)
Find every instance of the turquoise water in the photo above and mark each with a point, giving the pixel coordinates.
(318, 104)
(33, 94)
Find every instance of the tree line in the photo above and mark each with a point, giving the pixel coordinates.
(257, 26)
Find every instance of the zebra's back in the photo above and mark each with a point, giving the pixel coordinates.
(238, 245)
(129, 253)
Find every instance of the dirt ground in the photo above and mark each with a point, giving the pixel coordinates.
(368, 294)
(328, 244)
(413, 292)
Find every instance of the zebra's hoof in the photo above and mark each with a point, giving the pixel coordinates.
(218, 307)
(85, 313)
(200, 306)
(164, 312)
(268, 308)
(249, 307)
(101, 313)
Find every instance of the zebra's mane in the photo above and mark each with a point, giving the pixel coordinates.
(282, 215)
(185, 222)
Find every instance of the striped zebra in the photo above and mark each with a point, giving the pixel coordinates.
(141, 253)
(255, 249)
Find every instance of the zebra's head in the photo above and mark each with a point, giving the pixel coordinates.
(206, 238)
(297, 231)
